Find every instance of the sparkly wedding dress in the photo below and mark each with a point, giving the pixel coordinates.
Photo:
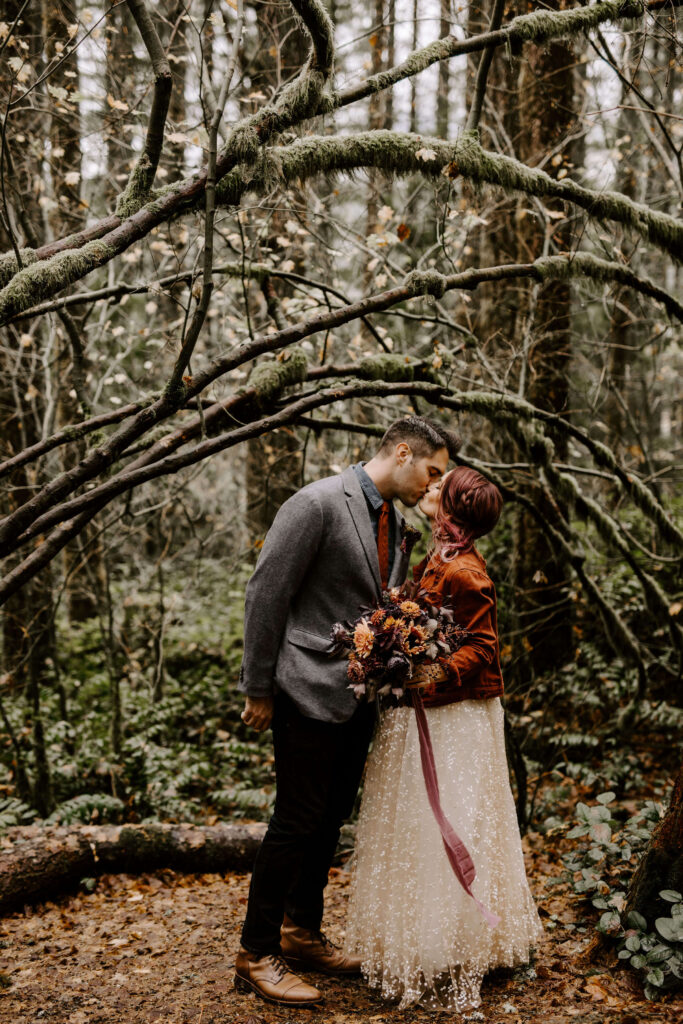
(420, 935)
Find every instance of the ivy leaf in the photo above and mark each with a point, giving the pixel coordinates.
(671, 896)
(601, 832)
(610, 922)
(670, 928)
(636, 920)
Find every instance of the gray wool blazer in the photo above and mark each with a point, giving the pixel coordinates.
(318, 566)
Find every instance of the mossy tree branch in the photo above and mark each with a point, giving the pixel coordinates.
(101, 458)
(56, 541)
(402, 153)
(142, 178)
(267, 382)
(302, 99)
(538, 27)
(392, 152)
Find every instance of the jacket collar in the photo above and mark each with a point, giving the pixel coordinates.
(358, 508)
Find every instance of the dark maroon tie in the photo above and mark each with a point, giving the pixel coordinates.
(383, 543)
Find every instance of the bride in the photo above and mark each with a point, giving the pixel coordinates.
(421, 937)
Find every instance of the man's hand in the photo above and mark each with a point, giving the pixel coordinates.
(258, 712)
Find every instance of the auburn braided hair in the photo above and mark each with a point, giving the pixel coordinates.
(469, 507)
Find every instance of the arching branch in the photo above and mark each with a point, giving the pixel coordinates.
(80, 510)
(416, 284)
(402, 153)
(538, 27)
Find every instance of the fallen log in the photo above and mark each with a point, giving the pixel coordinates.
(38, 862)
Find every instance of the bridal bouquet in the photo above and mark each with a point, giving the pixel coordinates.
(392, 638)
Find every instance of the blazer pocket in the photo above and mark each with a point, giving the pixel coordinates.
(313, 642)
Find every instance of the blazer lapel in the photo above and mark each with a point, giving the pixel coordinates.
(358, 508)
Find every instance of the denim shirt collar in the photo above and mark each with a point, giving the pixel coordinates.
(369, 488)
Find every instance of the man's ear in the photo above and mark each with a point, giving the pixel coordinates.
(403, 452)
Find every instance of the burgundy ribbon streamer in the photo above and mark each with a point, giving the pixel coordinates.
(456, 851)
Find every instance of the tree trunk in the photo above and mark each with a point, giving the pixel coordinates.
(661, 866)
(82, 558)
(27, 623)
(273, 462)
(442, 93)
(543, 335)
(40, 863)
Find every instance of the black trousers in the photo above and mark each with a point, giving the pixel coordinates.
(318, 768)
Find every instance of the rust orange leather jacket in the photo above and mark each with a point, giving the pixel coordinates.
(473, 671)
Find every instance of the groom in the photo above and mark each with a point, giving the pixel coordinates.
(332, 548)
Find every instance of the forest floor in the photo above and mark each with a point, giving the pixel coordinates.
(160, 948)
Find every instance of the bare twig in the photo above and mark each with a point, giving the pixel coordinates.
(483, 70)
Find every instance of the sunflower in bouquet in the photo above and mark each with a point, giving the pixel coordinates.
(389, 640)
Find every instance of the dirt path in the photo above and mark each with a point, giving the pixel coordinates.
(160, 948)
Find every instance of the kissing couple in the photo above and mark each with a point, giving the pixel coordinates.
(413, 931)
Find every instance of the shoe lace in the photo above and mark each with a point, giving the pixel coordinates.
(326, 943)
(278, 965)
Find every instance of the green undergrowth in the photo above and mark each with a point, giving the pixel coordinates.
(608, 844)
(185, 755)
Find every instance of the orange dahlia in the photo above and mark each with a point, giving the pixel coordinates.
(410, 608)
(363, 639)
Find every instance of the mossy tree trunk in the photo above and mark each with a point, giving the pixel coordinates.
(41, 863)
(27, 621)
(661, 866)
(547, 120)
(82, 558)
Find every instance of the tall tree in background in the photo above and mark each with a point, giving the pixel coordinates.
(28, 627)
(547, 129)
(273, 462)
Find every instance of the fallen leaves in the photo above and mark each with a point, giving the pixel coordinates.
(160, 948)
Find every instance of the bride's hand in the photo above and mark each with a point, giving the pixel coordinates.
(425, 675)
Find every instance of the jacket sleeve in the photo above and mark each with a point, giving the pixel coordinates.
(290, 546)
(472, 596)
(473, 599)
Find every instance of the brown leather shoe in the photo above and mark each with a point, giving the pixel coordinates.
(305, 948)
(269, 977)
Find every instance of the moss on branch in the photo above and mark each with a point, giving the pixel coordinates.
(321, 30)
(9, 265)
(138, 190)
(270, 378)
(399, 154)
(45, 278)
(539, 26)
(386, 367)
(427, 282)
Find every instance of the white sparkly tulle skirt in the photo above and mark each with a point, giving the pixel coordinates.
(420, 936)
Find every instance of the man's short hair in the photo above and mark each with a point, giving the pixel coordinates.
(423, 436)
